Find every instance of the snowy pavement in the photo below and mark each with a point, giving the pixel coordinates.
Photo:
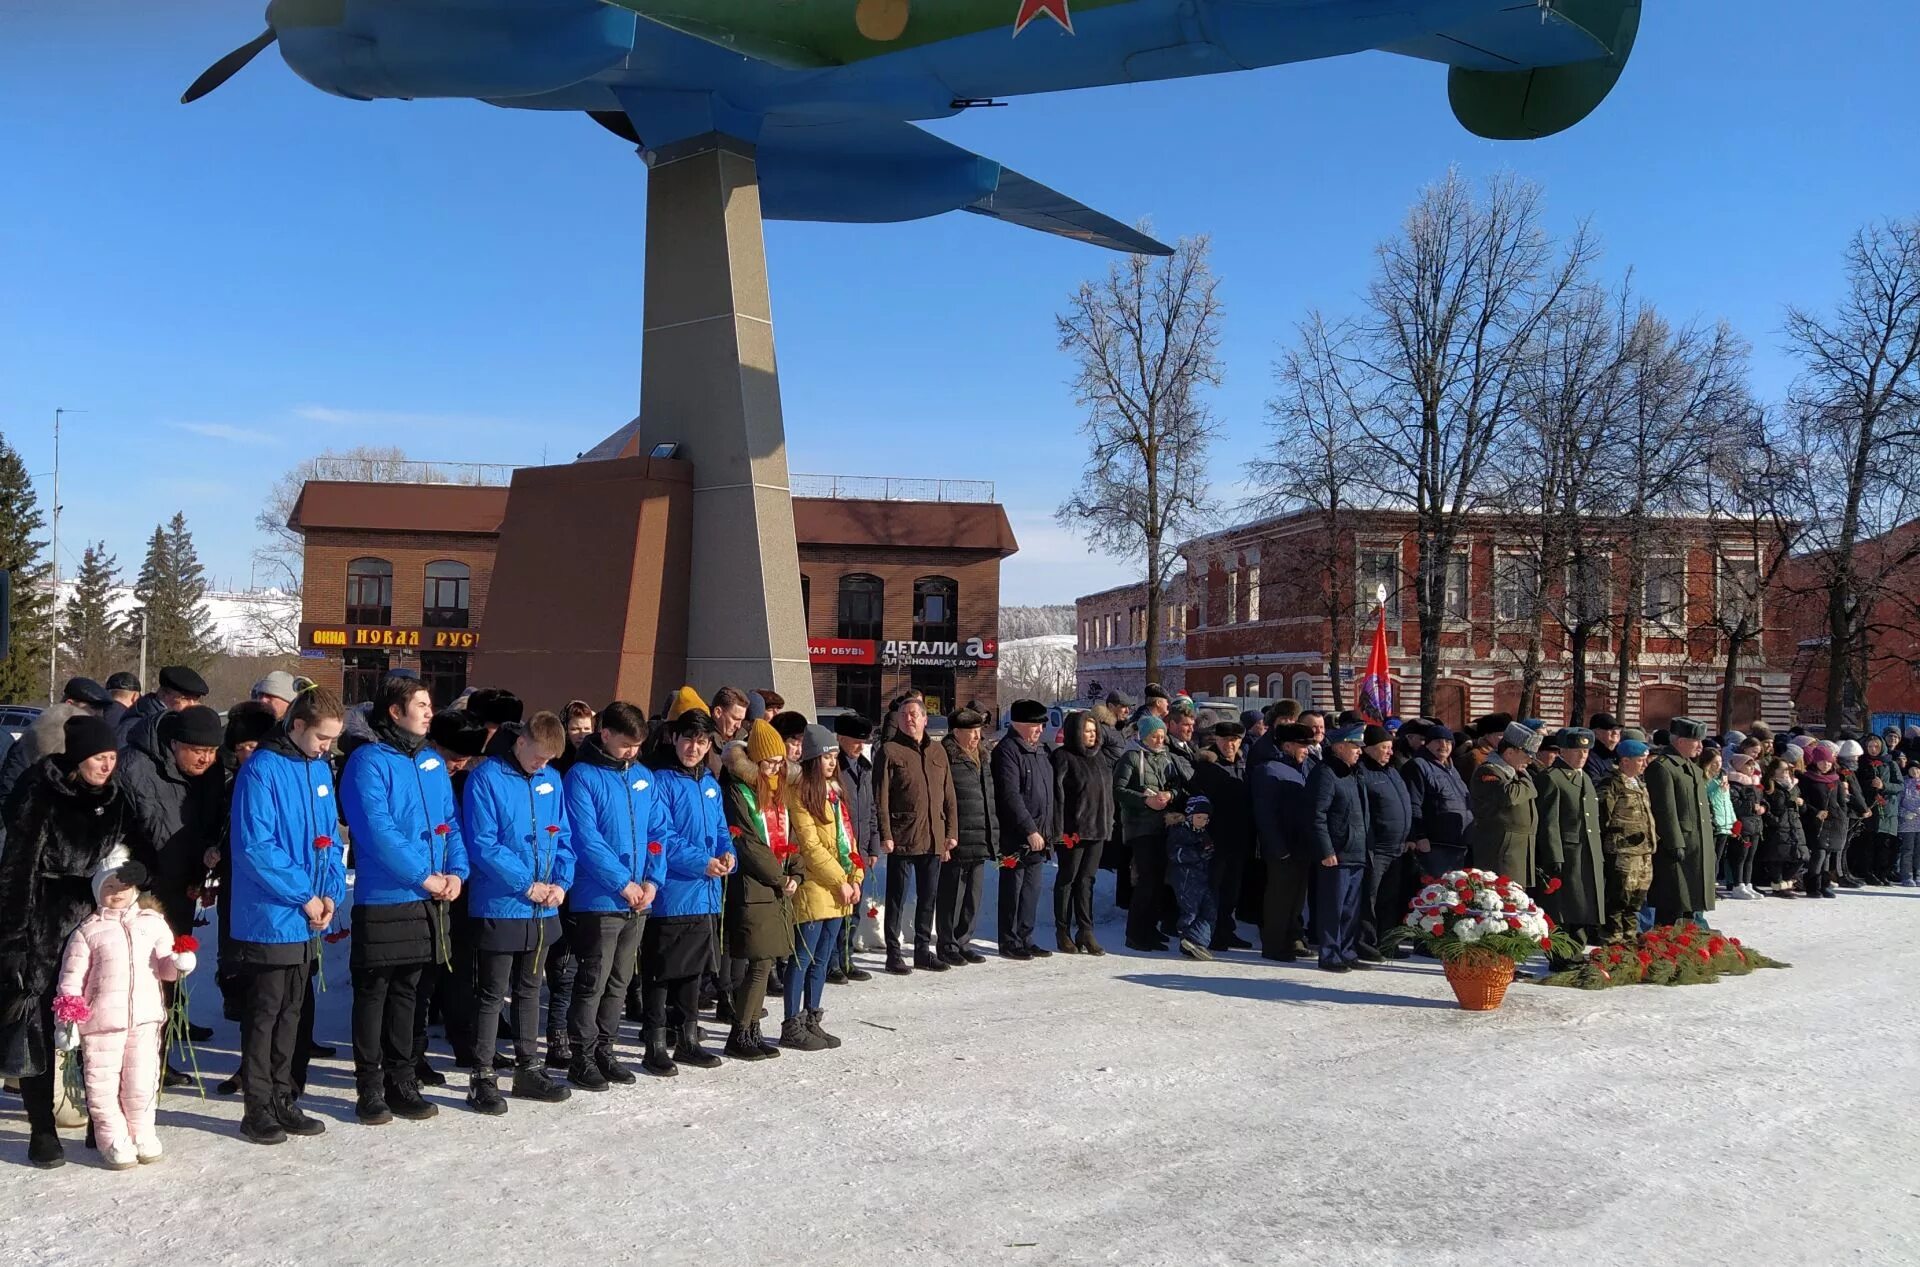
(1125, 1110)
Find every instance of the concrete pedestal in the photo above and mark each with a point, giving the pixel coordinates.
(708, 384)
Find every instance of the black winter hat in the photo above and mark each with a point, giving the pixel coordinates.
(124, 681)
(197, 727)
(789, 725)
(86, 736)
(249, 722)
(459, 732)
(967, 717)
(1157, 691)
(1229, 730)
(1375, 734)
(84, 690)
(1291, 732)
(183, 681)
(496, 707)
(1603, 721)
(853, 726)
(1027, 710)
(1491, 724)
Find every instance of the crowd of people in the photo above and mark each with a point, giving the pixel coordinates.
(723, 851)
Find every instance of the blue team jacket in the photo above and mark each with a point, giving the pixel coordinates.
(612, 810)
(692, 830)
(282, 805)
(394, 804)
(517, 836)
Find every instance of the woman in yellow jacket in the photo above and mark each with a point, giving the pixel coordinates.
(830, 885)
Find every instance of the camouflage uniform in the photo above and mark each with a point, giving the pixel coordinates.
(1627, 839)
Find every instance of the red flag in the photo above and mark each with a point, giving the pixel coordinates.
(1376, 687)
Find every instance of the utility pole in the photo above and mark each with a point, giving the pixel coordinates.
(53, 646)
(143, 649)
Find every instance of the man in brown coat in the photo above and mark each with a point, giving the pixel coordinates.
(919, 824)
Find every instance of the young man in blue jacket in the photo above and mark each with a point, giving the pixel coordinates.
(288, 881)
(618, 868)
(410, 863)
(520, 850)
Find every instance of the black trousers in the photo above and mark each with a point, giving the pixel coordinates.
(1383, 895)
(504, 972)
(384, 1002)
(959, 902)
(1224, 871)
(924, 869)
(1149, 856)
(1020, 899)
(37, 1090)
(1287, 882)
(273, 1051)
(682, 992)
(607, 948)
(1118, 859)
(450, 990)
(1816, 879)
(562, 968)
(1073, 888)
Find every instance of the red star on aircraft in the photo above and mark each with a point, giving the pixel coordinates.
(1031, 9)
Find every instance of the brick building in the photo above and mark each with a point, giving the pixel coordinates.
(1261, 601)
(1885, 685)
(900, 581)
(1112, 628)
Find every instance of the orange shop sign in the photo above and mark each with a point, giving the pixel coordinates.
(355, 637)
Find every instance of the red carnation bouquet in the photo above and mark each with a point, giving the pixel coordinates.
(1676, 954)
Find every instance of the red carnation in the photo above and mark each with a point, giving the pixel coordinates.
(1704, 955)
(1736, 941)
(1069, 840)
(1546, 943)
(653, 846)
(1645, 959)
(873, 912)
(1010, 862)
(442, 830)
(1459, 910)
(323, 842)
(1503, 880)
(735, 831)
(1553, 884)
(340, 936)
(1513, 922)
(186, 944)
(553, 829)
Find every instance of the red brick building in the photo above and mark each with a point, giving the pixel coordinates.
(1886, 684)
(1112, 627)
(1260, 620)
(900, 580)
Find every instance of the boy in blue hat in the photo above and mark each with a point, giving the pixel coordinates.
(1189, 870)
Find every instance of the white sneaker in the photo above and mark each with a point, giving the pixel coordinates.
(148, 1150)
(1750, 890)
(121, 1155)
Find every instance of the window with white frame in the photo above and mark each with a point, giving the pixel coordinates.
(1229, 687)
(1373, 569)
(1303, 689)
(1253, 592)
(1589, 589)
(1233, 598)
(1456, 600)
(1664, 595)
(1739, 594)
(1516, 586)
(1276, 686)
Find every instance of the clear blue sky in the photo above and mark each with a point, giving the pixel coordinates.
(231, 287)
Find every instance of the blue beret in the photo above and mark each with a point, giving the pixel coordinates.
(1631, 748)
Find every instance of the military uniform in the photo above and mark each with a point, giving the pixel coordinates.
(1683, 866)
(1570, 850)
(1506, 820)
(1627, 839)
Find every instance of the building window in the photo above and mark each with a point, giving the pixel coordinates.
(861, 597)
(1230, 687)
(1303, 689)
(1589, 589)
(1516, 583)
(1455, 603)
(370, 593)
(1276, 686)
(1253, 592)
(1739, 596)
(447, 593)
(444, 674)
(1374, 569)
(1665, 593)
(858, 689)
(937, 686)
(806, 600)
(1233, 598)
(1086, 643)
(935, 619)
(364, 672)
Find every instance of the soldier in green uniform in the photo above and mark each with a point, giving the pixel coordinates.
(1683, 822)
(1506, 820)
(1569, 849)
(1627, 837)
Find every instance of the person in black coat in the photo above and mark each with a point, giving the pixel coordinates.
(180, 689)
(978, 840)
(171, 774)
(1340, 838)
(1083, 801)
(1440, 803)
(1385, 888)
(1220, 775)
(1023, 795)
(1277, 783)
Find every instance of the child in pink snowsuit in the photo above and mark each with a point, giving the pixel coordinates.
(110, 989)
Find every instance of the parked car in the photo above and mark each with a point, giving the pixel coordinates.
(15, 721)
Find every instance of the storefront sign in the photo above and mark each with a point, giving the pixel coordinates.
(939, 655)
(842, 650)
(356, 637)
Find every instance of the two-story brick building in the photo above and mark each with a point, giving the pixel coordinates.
(1112, 644)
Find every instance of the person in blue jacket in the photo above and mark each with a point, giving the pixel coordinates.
(1388, 885)
(288, 880)
(619, 865)
(520, 850)
(678, 945)
(1339, 842)
(409, 863)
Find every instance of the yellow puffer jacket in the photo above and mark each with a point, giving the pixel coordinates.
(818, 840)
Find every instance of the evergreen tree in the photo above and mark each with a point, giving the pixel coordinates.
(170, 598)
(23, 674)
(91, 644)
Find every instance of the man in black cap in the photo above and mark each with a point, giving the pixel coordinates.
(1606, 733)
(1282, 824)
(1442, 813)
(854, 734)
(1023, 791)
(1110, 718)
(1683, 865)
(1253, 724)
(180, 688)
(123, 691)
(1485, 733)
(1220, 774)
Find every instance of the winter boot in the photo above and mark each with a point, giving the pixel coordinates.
(293, 1121)
(229, 1086)
(530, 1082)
(260, 1125)
(1194, 950)
(44, 1150)
(836, 975)
(971, 955)
(740, 1044)
(813, 1027)
(610, 1069)
(1064, 943)
(559, 1052)
(723, 1009)
(760, 1040)
(371, 1108)
(795, 1033)
(148, 1150)
(483, 1094)
(1087, 944)
(585, 1073)
(858, 974)
(656, 1061)
(927, 961)
(426, 1075)
(896, 965)
(690, 1052)
(120, 1155)
(403, 1097)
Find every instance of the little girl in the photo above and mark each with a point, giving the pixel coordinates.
(1908, 865)
(110, 991)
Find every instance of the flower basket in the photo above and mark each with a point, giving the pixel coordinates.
(1479, 982)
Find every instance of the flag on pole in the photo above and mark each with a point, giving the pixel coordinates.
(1376, 686)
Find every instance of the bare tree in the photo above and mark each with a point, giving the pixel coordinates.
(1857, 410)
(1144, 342)
(1750, 492)
(282, 553)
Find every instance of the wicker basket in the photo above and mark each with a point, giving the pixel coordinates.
(1479, 984)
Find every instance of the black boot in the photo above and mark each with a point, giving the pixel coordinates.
(896, 965)
(559, 1052)
(690, 1052)
(405, 1100)
(656, 1061)
(795, 1033)
(760, 1040)
(530, 1082)
(925, 959)
(813, 1026)
(371, 1108)
(483, 1094)
(260, 1125)
(740, 1044)
(858, 974)
(585, 1073)
(45, 1151)
(723, 1009)
(293, 1121)
(610, 1069)
(426, 1075)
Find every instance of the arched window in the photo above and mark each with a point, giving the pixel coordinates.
(369, 592)
(1303, 689)
(1230, 687)
(934, 616)
(861, 597)
(445, 604)
(1276, 686)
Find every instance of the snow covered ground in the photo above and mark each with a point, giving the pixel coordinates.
(1125, 1110)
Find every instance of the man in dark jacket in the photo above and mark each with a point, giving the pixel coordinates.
(1023, 794)
(1277, 786)
(180, 688)
(913, 797)
(854, 734)
(1385, 888)
(1340, 833)
(1683, 865)
(1220, 775)
(1083, 799)
(979, 840)
(123, 692)
(1606, 735)
(1570, 863)
(1148, 787)
(1441, 813)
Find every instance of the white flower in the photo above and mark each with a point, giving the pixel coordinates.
(1490, 924)
(1487, 899)
(1435, 924)
(1467, 930)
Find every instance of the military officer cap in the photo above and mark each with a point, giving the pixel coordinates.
(1352, 732)
(1687, 728)
(1521, 736)
(1534, 723)
(1631, 748)
(1575, 737)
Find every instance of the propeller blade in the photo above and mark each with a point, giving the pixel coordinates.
(224, 69)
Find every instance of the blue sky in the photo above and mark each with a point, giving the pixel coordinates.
(231, 287)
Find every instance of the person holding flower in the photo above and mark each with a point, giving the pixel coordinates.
(288, 881)
(520, 849)
(112, 1007)
(753, 779)
(829, 855)
(410, 863)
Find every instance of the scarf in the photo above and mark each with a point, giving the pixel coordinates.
(389, 733)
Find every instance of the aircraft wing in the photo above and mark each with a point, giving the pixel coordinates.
(1032, 205)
